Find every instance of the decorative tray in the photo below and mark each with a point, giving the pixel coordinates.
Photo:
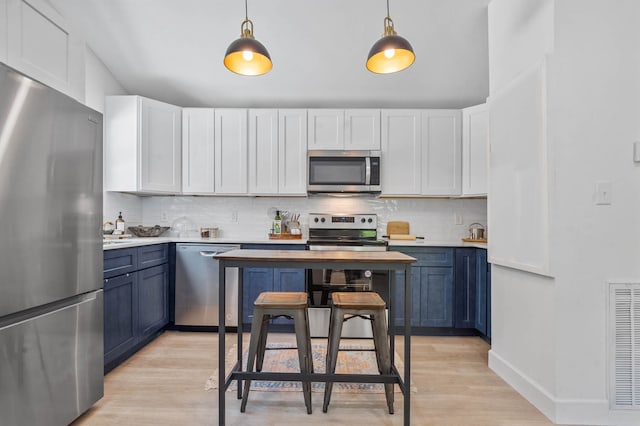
(471, 240)
(285, 236)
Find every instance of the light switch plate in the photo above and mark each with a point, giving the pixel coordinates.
(636, 152)
(603, 193)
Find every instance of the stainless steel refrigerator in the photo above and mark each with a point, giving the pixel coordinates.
(51, 332)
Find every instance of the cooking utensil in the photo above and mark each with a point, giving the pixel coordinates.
(404, 237)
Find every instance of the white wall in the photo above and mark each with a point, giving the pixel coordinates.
(100, 83)
(431, 218)
(595, 104)
(553, 347)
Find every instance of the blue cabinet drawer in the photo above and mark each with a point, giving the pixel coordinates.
(120, 261)
(154, 255)
(428, 256)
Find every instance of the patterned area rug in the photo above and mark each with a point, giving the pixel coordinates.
(358, 359)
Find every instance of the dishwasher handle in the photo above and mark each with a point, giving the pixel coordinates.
(208, 253)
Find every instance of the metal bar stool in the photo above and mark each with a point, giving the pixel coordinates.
(359, 304)
(270, 305)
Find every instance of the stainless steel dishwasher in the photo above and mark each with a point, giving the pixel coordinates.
(197, 285)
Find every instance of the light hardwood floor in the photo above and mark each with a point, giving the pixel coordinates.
(164, 384)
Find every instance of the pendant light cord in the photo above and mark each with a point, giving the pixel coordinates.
(246, 9)
(388, 15)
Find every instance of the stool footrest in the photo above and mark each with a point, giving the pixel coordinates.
(364, 317)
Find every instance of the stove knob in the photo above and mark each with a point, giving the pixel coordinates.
(315, 219)
(370, 220)
(322, 220)
(367, 274)
(363, 220)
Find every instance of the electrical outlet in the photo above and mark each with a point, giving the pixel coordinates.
(457, 219)
(603, 193)
(164, 217)
(234, 216)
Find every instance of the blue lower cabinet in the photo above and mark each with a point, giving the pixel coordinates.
(435, 298)
(488, 300)
(465, 288)
(136, 303)
(153, 299)
(120, 319)
(431, 287)
(257, 280)
(398, 306)
(482, 292)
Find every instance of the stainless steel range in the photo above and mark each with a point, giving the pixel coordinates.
(348, 232)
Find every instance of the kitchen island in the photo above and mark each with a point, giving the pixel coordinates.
(389, 260)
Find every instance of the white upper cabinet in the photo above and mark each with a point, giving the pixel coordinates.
(475, 150)
(231, 151)
(142, 150)
(338, 129)
(441, 152)
(198, 151)
(39, 43)
(263, 151)
(362, 129)
(277, 151)
(401, 152)
(326, 129)
(292, 157)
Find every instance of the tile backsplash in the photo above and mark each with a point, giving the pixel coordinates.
(246, 217)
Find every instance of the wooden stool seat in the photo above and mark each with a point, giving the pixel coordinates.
(358, 300)
(270, 305)
(274, 299)
(359, 304)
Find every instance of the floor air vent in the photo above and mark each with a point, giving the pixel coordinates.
(624, 329)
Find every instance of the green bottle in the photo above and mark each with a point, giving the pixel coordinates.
(277, 223)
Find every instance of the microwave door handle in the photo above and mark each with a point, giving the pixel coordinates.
(367, 170)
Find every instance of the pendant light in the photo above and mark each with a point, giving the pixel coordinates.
(246, 55)
(391, 53)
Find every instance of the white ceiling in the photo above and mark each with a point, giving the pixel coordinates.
(172, 50)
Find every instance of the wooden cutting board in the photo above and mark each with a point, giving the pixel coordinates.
(397, 227)
(402, 237)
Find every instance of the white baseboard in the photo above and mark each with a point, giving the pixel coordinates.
(561, 411)
(529, 389)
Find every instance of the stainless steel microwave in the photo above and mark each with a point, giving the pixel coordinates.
(343, 171)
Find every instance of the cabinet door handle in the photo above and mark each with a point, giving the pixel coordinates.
(208, 253)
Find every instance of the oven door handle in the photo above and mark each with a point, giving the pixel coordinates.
(346, 248)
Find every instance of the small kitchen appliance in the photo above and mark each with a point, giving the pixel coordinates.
(476, 231)
(343, 172)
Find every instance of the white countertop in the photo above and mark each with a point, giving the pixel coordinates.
(137, 242)
(429, 243)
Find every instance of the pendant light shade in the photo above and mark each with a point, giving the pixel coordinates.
(391, 53)
(246, 55)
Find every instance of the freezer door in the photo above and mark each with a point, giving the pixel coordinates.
(51, 366)
(50, 195)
